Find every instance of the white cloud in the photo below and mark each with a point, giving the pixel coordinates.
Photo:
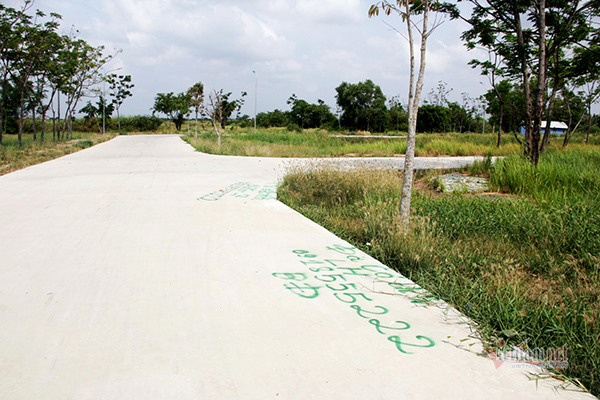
(307, 47)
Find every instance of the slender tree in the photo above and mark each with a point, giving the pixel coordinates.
(175, 107)
(9, 43)
(530, 36)
(214, 109)
(196, 95)
(408, 10)
(120, 89)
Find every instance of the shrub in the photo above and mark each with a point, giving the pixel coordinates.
(139, 123)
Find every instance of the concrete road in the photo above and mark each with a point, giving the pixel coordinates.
(141, 269)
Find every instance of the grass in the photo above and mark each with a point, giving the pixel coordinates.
(279, 142)
(13, 157)
(526, 267)
(311, 143)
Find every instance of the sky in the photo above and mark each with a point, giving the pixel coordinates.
(302, 47)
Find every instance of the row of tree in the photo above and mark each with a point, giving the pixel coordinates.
(363, 107)
(42, 71)
(545, 47)
(219, 106)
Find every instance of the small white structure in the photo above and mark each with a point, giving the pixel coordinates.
(556, 127)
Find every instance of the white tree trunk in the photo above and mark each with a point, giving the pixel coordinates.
(414, 98)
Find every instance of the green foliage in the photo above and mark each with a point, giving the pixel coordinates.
(433, 118)
(363, 106)
(307, 115)
(140, 123)
(120, 87)
(557, 46)
(275, 118)
(285, 142)
(84, 144)
(196, 95)
(229, 106)
(509, 100)
(175, 107)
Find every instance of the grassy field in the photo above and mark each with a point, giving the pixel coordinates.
(13, 157)
(525, 266)
(278, 142)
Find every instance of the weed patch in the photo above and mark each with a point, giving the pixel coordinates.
(526, 267)
(13, 157)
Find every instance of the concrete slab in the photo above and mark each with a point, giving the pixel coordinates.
(141, 269)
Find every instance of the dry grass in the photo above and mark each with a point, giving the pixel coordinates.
(13, 158)
(523, 269)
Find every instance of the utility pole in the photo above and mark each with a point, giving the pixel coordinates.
(255, 98)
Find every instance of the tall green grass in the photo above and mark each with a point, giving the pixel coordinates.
(291, 144)
(524, 266)
(278, 142)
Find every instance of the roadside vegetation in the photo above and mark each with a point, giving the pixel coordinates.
(524, 264)
(14, 157)
(86, 132)
(281, 142)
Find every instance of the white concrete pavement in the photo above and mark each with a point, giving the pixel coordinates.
(141, 269)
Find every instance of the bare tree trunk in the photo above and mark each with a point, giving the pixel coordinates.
(555, 85)
(59, 134)
(541, 89)
(215, 112)
(499, 142)
(2, 118)
(548, 131)
(525, 73)
(414, 98)
(42, 127)
(34, 124)
(21, 117)
(196, 123)
(53, 122)
(589, 129)
(569, 133)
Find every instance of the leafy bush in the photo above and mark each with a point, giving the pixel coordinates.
(84, 144)
(139, 123)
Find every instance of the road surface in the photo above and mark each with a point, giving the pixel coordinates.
(141, 269)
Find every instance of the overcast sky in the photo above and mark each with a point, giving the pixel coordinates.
(306, 47)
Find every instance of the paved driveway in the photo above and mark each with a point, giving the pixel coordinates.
(141, 269)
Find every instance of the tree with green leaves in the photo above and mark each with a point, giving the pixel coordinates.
(196, 95)
(307, 115)
(397, 118)
(433, 118)
(363, 106)
(533, 39)
(506, 105)
(175, 107)
(120, 89)
(229, 106)
(9, 19)
(275, 118)
(409, 11)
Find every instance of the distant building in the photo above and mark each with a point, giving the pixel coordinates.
(556, 127)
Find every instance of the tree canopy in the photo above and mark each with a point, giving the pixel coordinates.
(175, 107)
(39, 67)
(363, 106)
